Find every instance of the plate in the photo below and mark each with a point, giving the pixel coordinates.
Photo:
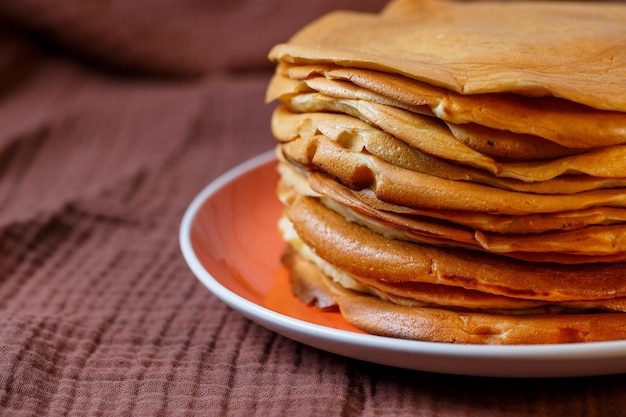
(229, 239)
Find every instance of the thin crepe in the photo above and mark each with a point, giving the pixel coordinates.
(364, 253)
(374, 315)
(584, 127)
(443, 43)
(356, 135)
(414, 189)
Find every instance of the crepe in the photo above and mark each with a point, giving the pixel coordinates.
(362, 252)
(321, 184)
(429, 136)
(454, 171)
(414, 189)
(384, 318)
(584, 127)
(443, 44)
(358, 136)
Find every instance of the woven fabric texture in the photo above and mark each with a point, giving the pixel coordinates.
(113, 116)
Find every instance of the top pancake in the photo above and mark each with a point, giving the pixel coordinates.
(529, 48)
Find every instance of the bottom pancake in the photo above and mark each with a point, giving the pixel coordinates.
(380, 317)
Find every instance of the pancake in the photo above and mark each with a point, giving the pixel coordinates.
(435, 324)
(566, 123)
(364, 253)
(582, 245)
(423, 133)
(506, 146)
(414, 189)
(587, 245)
(503, 224)
(442, 43)
(454, 171)
(419, 294)
(358, 136)
(426, 134)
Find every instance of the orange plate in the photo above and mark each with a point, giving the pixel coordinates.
(230, 241)
(235, 237)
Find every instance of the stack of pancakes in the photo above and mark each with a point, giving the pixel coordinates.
(456, 171)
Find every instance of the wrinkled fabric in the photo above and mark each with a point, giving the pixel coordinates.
(113, 116)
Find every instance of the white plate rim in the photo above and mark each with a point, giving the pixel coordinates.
(562, 360)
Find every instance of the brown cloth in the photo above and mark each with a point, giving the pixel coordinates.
(113, 116)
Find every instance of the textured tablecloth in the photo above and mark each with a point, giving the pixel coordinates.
(113, 116)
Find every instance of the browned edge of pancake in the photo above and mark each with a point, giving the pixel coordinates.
(379, 317)
(363, 253)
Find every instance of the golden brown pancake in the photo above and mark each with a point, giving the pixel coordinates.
(582, 245)
(438, 189)
(583, 127)
(443, 43)
(585, 245)
(377, 316)
(419, 294)
(532, 223)
(364, 253)
(506, 146)
(430, 136)
(418, 190)
(358, 136)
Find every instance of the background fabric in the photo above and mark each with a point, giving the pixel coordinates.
(113, 116)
